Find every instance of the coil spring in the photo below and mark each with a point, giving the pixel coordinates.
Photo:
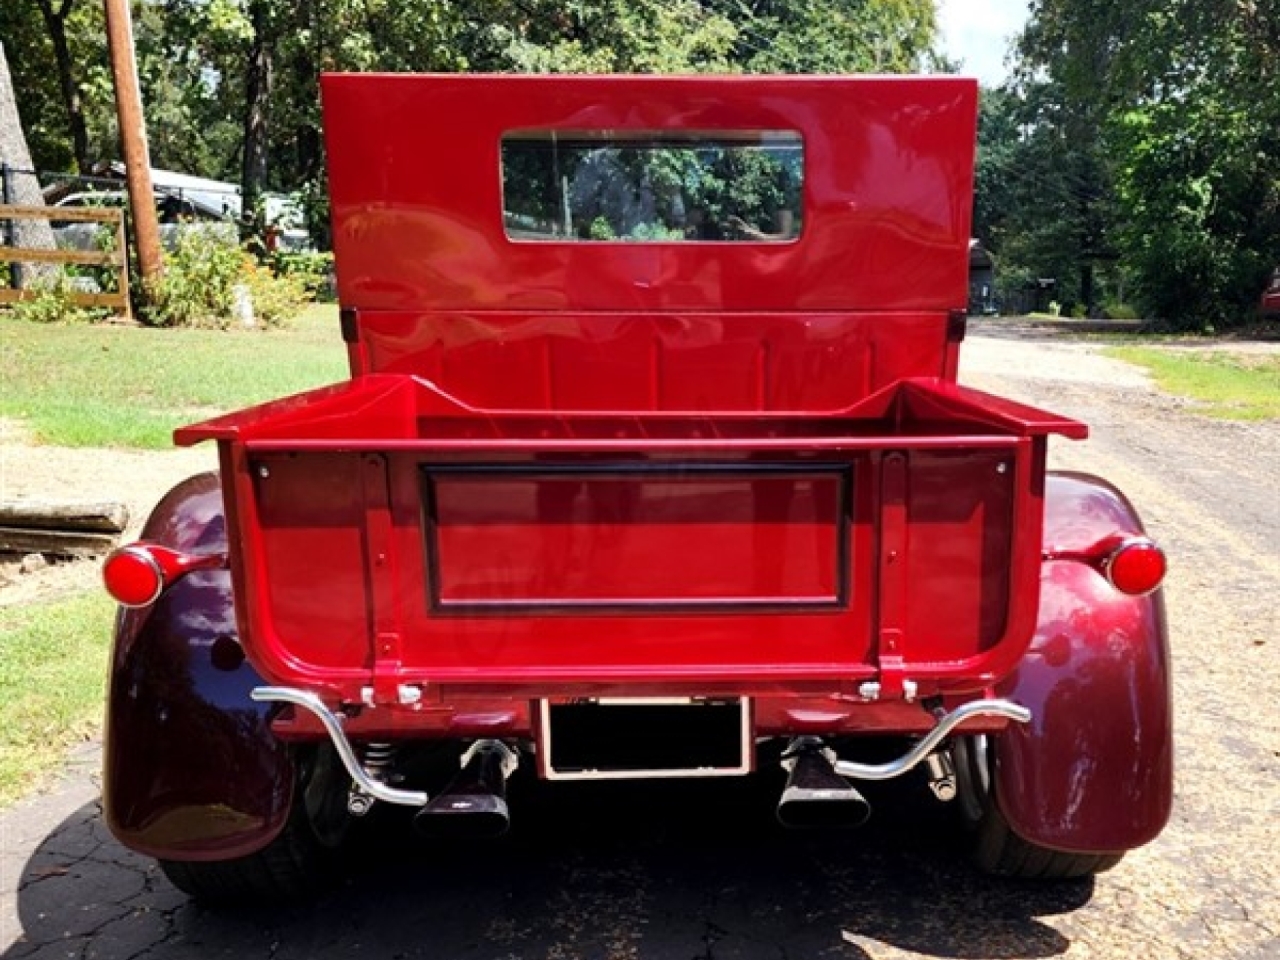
(377, 759)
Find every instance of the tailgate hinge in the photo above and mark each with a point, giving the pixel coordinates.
(891, 640)
(386, 680)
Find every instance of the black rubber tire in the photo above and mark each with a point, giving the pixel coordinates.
(996, 848)
(302, 862)
(999, 851)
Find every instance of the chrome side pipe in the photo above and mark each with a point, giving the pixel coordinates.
(474, 804)
(927, 744)
(818, 795)
(360, 777)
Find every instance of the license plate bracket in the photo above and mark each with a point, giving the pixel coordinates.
(645, 738)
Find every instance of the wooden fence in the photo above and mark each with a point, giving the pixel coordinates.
(116, 258)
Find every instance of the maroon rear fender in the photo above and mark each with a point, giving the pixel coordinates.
(191, 768)
(1093, 771)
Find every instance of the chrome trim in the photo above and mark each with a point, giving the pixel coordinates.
(134, 550)
(510, 759)
(917, 754)
(346, 753)
(942, 775)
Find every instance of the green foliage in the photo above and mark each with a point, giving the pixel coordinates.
(1159, 125)
(206, 281)
(52, 303)
(311, 269)
(1119, 310)
(194, 57)
(274, 300)
(1043, 204)
(34, 66)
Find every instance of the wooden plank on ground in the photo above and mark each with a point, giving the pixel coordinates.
(43, 515)
(76, 214)
(56, 543)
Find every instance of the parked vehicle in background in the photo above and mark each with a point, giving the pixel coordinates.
(1269, 303)
(652, 464)
(176, 215)
(185, 203)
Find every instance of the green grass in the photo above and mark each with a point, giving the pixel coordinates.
(124, 386)
(52, 681)
(1235, 386)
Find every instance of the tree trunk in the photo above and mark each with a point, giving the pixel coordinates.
(258, 77)
(21, 186)
(56, 23)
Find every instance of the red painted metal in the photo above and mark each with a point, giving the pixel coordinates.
(680, 446)
(701, 469)
(416, 194)
(499, 546)
(191, 768)
(1093, 771)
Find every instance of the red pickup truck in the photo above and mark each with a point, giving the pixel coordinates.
(652, 463)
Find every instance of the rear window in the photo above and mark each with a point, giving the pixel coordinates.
(655, 187)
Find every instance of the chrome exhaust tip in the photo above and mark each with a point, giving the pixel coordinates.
(815, 795)
(474, 804)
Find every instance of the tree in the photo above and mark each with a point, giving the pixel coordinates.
(14, 155)
(56, 16)
(57, 55)
(1170, 114)
(231, 86)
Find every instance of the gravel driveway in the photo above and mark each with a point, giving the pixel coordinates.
(699, 872)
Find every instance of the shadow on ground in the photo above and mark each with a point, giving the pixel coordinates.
(694, 870)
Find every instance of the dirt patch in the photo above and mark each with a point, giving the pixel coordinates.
(136, 478)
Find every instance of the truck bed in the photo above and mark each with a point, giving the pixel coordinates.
(388, 534)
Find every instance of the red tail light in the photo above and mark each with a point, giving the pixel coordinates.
(136, 575)
(1136, 567)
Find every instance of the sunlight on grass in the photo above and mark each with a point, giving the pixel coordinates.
(119, 386)
(1235, 386)
(53, 668)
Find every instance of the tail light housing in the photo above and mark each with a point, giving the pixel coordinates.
(1134, 565)
(138, 574)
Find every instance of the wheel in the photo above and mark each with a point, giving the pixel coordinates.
(996, 848)
(299, 863)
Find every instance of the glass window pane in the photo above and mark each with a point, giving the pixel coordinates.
(653, 187)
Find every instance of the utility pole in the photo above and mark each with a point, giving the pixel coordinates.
(133, 141)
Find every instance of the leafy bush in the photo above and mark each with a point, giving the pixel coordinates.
(273, 299)
(1117, 310)
(313, 270)
(52, 304)
(205, 282)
